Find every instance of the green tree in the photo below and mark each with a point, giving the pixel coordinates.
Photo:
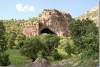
(31, 47)
(40, 46)
(49, 41)
(56, 55)
(4, 58)
(68, 45)
(19, 40)
(11, 39)
(86, 38)
(80, 30)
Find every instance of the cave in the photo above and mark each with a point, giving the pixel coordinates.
(46, 30)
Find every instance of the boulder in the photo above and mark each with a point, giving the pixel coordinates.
(40, 62)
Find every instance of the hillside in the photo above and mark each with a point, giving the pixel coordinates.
(92, 14)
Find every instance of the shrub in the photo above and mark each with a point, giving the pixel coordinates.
(31, 47)
(56, 55)
(67, 45)
(86, 38)
(40, 46)
(83, 33)
(11, 39)
(49, 41)
(19, 40)
(4, 58)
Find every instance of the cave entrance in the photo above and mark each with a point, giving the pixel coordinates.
(46, 30)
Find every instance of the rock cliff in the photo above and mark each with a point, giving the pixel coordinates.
(49, 21)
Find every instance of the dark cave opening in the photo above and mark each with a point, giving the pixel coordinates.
(46, 30)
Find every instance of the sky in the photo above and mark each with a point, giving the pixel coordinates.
(22, 9)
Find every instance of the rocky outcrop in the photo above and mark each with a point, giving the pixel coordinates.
(30, 29)
(92, 14)
(49, 20)
(40, 62)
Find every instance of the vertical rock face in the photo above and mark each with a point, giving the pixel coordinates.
(50, 21)
(55, 21)
(30, 29)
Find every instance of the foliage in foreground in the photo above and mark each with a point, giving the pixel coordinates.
(4, 58)
(16, 58)
(41, 46)
(86, 38)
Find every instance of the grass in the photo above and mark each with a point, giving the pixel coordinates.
(16, 58)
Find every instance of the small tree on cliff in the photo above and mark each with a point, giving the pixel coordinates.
(4, 60)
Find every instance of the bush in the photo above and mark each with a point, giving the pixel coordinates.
(11, 39)
(86, 38)
(4, 59)
(49, 41)
(67, 45)
(40, 46)
(56, 55)
(19, 40)
(31, 47)
(83, 33)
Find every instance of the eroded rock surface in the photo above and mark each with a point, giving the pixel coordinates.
(51, 20)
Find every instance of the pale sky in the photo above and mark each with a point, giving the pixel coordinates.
(21, 9)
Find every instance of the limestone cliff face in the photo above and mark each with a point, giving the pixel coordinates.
(55, 21)
(30, 29)
(52, 20)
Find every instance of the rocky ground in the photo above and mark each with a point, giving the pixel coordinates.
(45, 63)
(40, 63)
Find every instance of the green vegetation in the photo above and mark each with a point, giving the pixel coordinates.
(41, 46)
(16, 58)
(4, 58)
(81, 47)
(86, 38)
(15, 40)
